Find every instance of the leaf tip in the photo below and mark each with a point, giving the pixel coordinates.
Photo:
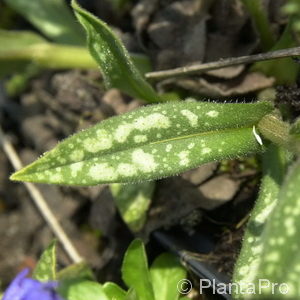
(16, 176)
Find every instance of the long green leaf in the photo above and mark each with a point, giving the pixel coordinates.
(150, 143)
(246, 268)
(45, 270)
(135, 271)
(51, 17)
(280, 259)
(115, 63)
(166, 272)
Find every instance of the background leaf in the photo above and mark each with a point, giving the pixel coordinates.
(246, 268)
(117, 68)
(150, 143)
(52, 17)
(166, 272)
(12, 45)
(133, 201)
(113, 291)
(45, 269)
(260, 19)
(25, 51)
(285, 70)
(82, 289)
(76, 271)
(135, 271)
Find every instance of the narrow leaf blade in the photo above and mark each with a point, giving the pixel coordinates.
(135, 271)
(280, 258)
(150, 143)
(51, 17)
(166, 272)
(46, 267)
(115, 63)
(246, 268)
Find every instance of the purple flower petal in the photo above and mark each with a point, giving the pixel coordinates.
(23, 288)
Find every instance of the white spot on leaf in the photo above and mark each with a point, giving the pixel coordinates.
(140, 138)
(126, 169)
(77, 155)
(192, 118)
(206, 150)
(103, 141)
(102, 171)
(75, 168)
(144, 161)
(212, 113)
(169, 147)
(155, 120)
(184, 160)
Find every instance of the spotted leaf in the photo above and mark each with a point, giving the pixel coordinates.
(280, 258)
(246, 269)
(132, 201)
(45, 269)
(116, 65)
(151, 142)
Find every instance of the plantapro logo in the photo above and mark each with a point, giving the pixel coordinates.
(244, 288)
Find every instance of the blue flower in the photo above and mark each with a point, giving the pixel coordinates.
(23, 288)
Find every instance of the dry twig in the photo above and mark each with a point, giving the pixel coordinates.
(223, 63)
(40, 202)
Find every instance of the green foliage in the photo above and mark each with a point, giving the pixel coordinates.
(246, 269)
(292, 9)
(27, 52)
(76, 271)
(113, 291)
(158, 283)
(132, 201)
(285, 70)
(261, 22)
(12, 45)
(76, 282)
(150, 143)
(280, 257)
(135, 271)
(80, 289)
(52, 17)
(46, 268)
(115, 63)
(165, 273)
